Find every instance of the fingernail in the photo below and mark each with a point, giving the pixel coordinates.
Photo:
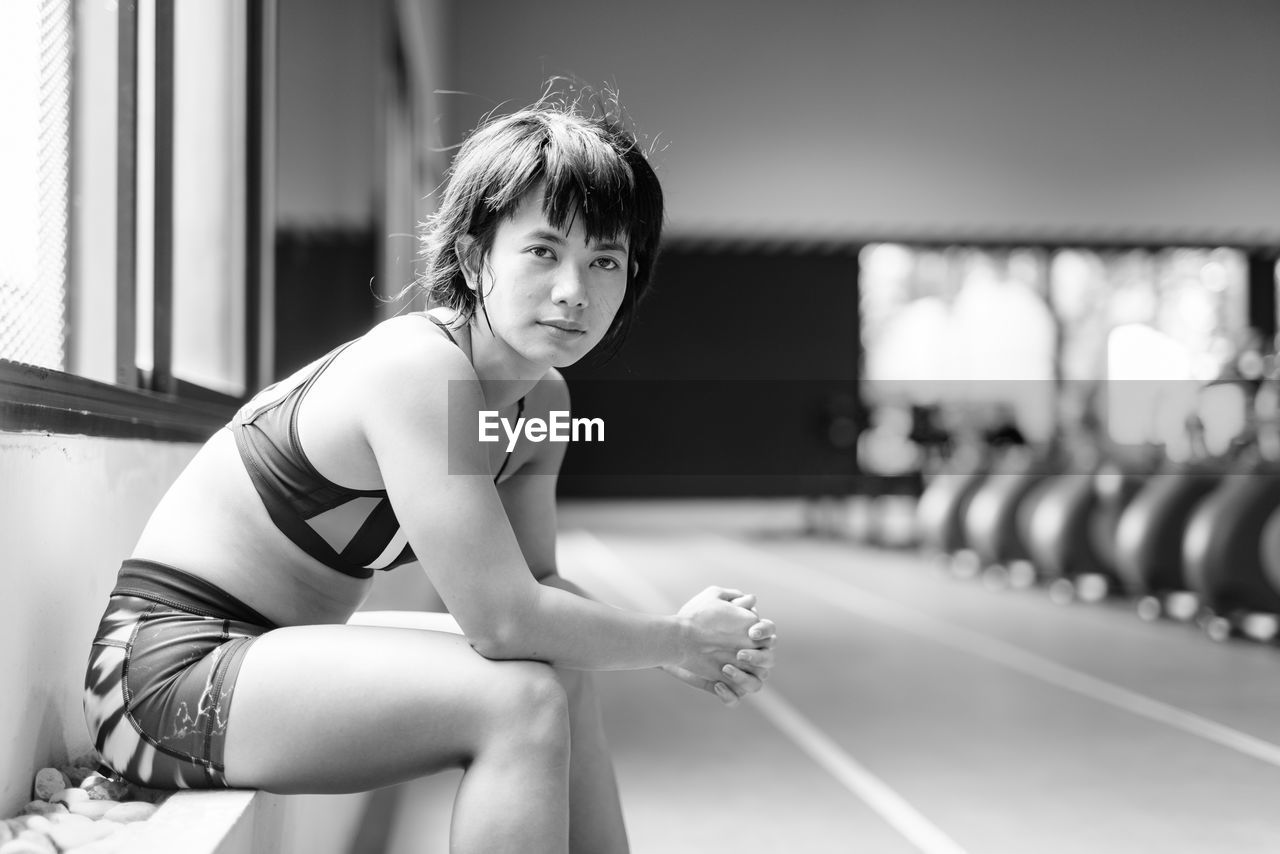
(729, 670)
(743, 655)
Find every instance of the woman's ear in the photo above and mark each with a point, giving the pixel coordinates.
(468, 249)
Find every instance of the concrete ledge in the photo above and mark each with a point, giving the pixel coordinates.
(241, 821)
(219, 822)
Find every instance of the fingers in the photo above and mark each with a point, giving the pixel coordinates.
(762, 631)
(741, 681)
(726, 695)
(757, 661)
(722, 691)
(747, 671)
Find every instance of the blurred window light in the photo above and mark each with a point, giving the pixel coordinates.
(888, 261)
(959, 325)
(1077, 281)
(1224, 412)
(1005, 330)
(1080, 283)
(1132, 293)
(1203, 302)
(1149, 394)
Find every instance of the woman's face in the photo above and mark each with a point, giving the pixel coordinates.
(550, 295)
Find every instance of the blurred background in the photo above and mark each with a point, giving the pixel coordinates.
(878, 212)
(985, 288)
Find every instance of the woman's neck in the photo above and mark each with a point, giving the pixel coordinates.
(504, 376)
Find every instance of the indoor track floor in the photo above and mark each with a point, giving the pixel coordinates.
(909, 711)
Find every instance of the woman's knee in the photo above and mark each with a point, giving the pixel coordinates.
(578, 685)
(529, 703)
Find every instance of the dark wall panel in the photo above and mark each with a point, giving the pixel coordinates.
(323, 296)
(738, 379)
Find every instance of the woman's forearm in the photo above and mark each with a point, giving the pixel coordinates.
(570, 630)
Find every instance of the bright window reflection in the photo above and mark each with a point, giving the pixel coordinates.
(91, 340)
(1148, 396)
(1179, 319)
(963, 327)
(35, 98)
(210, 194)
(1133, 336)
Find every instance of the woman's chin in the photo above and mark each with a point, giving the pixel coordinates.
(548, 357)
(565, 358)
(563, 354)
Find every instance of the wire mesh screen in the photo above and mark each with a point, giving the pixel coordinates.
(35, 174)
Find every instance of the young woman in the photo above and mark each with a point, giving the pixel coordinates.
(228, 654)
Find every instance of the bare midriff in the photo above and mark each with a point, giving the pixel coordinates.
(212, 524)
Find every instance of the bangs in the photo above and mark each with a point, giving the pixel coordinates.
(582, 173)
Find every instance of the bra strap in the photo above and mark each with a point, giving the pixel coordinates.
(507, 458)
(443, 327)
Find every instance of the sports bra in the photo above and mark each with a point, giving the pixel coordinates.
(311, 510)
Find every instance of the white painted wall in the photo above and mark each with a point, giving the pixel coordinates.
(989, 116)
(71, 509)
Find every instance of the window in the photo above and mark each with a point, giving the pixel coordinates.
(958, 326)
(1118, 339)
(134, 156)
(35, 62)
(208, 199)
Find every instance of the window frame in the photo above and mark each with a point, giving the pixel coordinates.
(154, 404)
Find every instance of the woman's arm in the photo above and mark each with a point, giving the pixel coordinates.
(459, 530)
(529, 498)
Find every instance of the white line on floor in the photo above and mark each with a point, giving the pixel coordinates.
(812, 582)
(597, 558)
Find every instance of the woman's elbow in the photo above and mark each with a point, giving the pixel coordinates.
(507, 630)
(499, 640)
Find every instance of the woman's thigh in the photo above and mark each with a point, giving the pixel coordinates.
(431, 621)
(339, 708)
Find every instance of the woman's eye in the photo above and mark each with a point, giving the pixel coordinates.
(608, 263)
(541, 252)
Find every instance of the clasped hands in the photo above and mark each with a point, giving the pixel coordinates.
(734, 644)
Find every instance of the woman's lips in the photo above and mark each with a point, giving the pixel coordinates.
(563, 328)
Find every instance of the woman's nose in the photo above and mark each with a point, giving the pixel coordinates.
(571, 287)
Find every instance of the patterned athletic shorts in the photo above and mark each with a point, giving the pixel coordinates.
(161, 674)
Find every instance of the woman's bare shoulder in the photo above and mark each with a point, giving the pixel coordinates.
(403, 368)
(410, 346)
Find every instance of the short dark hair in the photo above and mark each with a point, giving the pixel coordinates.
(581, 148)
